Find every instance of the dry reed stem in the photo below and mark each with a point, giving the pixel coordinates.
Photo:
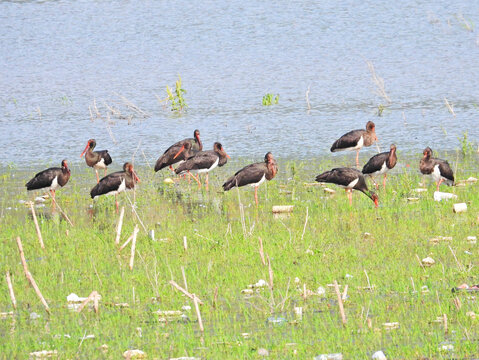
(190, 295)
(198, 314)
(345, 292)
(305, 223)
(10, 290)
(133, 246)
(449, 107)
(270, 270)
(379, 81)
(184, 278)
(92, 297)
(126, 243)
(30, 277)
(367, 277)
(64, 214)
(459, 265)
(420, 263)
(185, 243)
(261, 252)
(457, 303)
(136, 214)
(37, 227)
(307, 99)
(340, 303)
(119, 225)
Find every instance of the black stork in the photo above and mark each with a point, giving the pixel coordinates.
(204, 162)
(349, 179)
(254, 175)
(437, 168)
(116, 182)
(175, 153)
(381, 164)
(50, 179)
(96, 159)
(356, 139)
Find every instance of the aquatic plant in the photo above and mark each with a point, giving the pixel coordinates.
(175, 97)
(269, 99)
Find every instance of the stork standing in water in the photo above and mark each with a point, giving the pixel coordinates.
(438, 169)
(356, 139)
(176, 152)
(96, 159)
(381, 164)
(254, 175)
(116, 182)
(204, 162)
(349, 179)
(50, 179)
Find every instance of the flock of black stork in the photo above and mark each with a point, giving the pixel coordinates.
(193, 160)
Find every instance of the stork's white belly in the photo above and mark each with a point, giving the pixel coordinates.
(54, 185)
(201, 171)
(100, 164)
(259, 182)
(120, 189)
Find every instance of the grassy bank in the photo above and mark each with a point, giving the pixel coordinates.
(374, 252)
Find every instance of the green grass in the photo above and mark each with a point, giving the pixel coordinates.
(221, 255)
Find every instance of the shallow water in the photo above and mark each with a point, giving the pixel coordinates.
(59, 56)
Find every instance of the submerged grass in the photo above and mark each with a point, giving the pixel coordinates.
(223, 257)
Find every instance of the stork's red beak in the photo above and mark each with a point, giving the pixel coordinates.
(179, 152)
(376, 202)
(226, 154)
(86, 148)
(137, 179)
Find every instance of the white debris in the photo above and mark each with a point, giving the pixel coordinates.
(438, 196)
(379, 355)
(428, 261)
(460, 207)
(471, 179)
(263, 352)
(420, 190)
(134, 354)
(260, 284)
(471, 239)
(336, 356)
(391, 325)
(44, 354)
(321, 291)
(329, 191)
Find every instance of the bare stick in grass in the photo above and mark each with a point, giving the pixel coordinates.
(420, 263)
(457, 303)
(126, 243)
(367, 277)
(133, 246)
(120, 224)
(190, 295)
(261, 252)
(10, 290)
(92, 297)
(444, 317)
(198, 314)
(305, 223)
(64, 214)
(136, 214)
(37, 227)
(184, 278)
(185, 243)
(345, 292)
(340, 303)
(30, 277)
(270, 270)
(459, 265)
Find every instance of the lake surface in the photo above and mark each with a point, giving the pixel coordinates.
(58, 58)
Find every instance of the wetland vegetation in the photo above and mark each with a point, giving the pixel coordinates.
(392, 303)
